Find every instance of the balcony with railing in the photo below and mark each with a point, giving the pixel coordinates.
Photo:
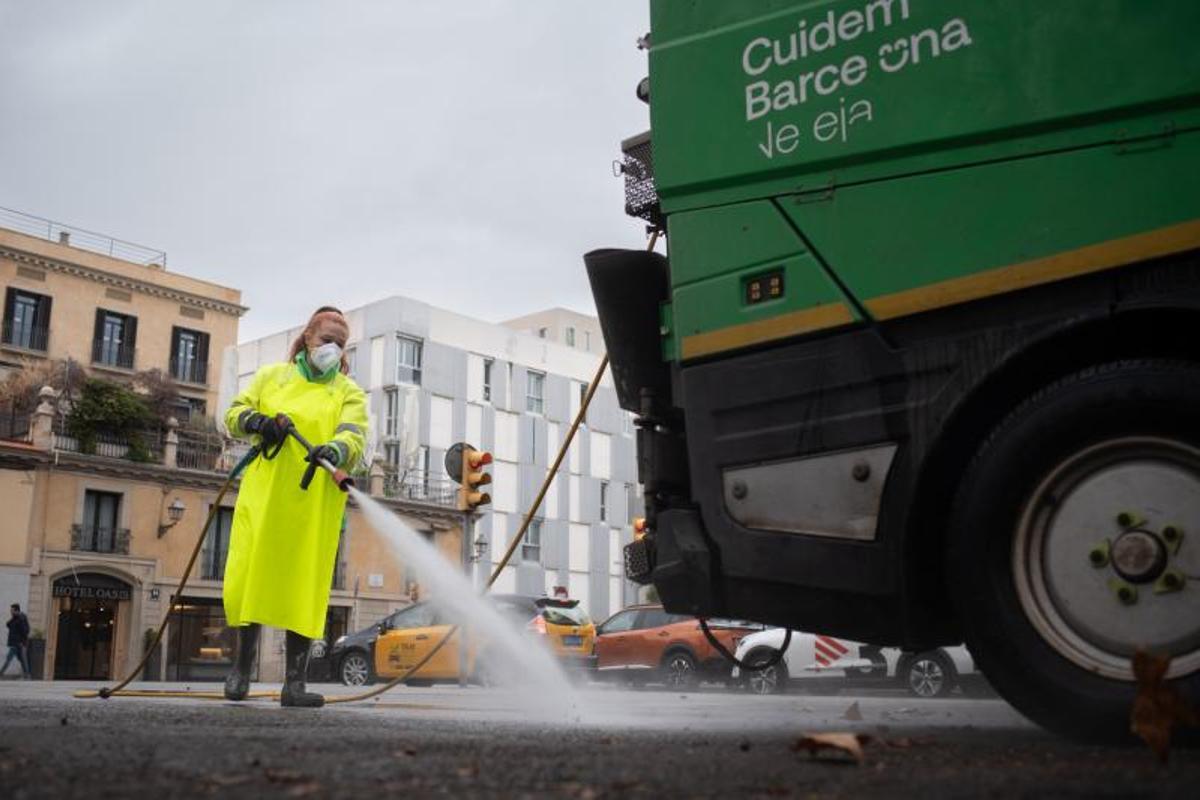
(144, 445)
(24, 336)
(100, 539)
(15, 424)
(189, 370)
(422, 488)
(200, 450)
(107, 354)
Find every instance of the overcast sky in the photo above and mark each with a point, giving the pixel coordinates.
(331, 152)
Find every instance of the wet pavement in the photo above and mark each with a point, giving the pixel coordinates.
(499, 742)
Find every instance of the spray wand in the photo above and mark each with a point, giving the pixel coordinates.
(340, 477)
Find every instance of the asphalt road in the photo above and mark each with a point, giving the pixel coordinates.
(603, 742)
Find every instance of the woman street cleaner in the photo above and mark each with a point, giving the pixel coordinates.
(285, 539)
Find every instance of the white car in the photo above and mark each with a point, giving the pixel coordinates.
(814, 657)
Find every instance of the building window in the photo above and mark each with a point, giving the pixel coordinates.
(631, 503)
(99, 533)
(216, 545)
(535, 386)
(352, 361)
(587, 341)
(583, 389)
(542, 332)
(487, 379)
(570, 337)
(114, 339)
(408, 360)
(189, 356)
(26, 320)
(419, 481)
(603, 501)
(531, 545)
(200, 646)
(391, 416)
(391, 452)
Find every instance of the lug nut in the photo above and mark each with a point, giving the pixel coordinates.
(1170, 533)
(1171, 580)
(860, 471)
(739, 490)
(1127, 595)
(1098, 557)
(1125, 519)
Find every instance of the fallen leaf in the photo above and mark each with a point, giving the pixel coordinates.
(1158, 706)
(847, 743)
(853, 713)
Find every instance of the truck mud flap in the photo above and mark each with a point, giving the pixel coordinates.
(684, 570)
(628, 287)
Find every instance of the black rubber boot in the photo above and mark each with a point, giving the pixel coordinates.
(294, 693)
(237, 682)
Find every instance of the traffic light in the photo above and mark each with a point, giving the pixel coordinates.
(473, 477)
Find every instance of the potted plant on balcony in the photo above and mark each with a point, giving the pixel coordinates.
(104, 407)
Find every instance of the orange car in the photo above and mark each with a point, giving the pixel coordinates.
(646, 643)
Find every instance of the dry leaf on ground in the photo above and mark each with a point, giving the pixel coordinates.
(1158, 706)
(853, 713)
(850, 744)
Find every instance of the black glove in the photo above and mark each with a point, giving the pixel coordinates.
(325, 452)
(272, 430)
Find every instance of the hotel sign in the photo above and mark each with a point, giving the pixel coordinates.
(83, 590)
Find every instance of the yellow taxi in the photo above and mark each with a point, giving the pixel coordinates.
(410, 635)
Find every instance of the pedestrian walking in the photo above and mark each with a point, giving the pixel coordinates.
(18, 640)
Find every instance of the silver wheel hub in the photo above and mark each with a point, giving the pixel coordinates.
(1101, 560)
(1139, 556)
(926, 677)
(763, 681)
(354, 670)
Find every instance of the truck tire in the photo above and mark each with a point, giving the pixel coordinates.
(1062, 529)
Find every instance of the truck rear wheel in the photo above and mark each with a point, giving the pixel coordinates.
(1075, 541)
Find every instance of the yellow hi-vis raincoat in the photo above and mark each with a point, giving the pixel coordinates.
(284, 539)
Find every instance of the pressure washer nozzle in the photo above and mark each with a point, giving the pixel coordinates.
(343, 481)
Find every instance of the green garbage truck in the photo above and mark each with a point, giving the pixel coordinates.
(921, 364)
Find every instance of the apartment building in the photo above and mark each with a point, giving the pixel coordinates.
(68, 298)
(435, 377)
(95, 538)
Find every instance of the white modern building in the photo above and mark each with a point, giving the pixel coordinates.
(435, 378)
(562, 326)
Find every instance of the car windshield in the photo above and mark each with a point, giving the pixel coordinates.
(562, 615)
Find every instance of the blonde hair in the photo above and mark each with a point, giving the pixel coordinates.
(320, 315)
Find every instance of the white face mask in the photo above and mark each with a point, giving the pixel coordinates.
(325, 357)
